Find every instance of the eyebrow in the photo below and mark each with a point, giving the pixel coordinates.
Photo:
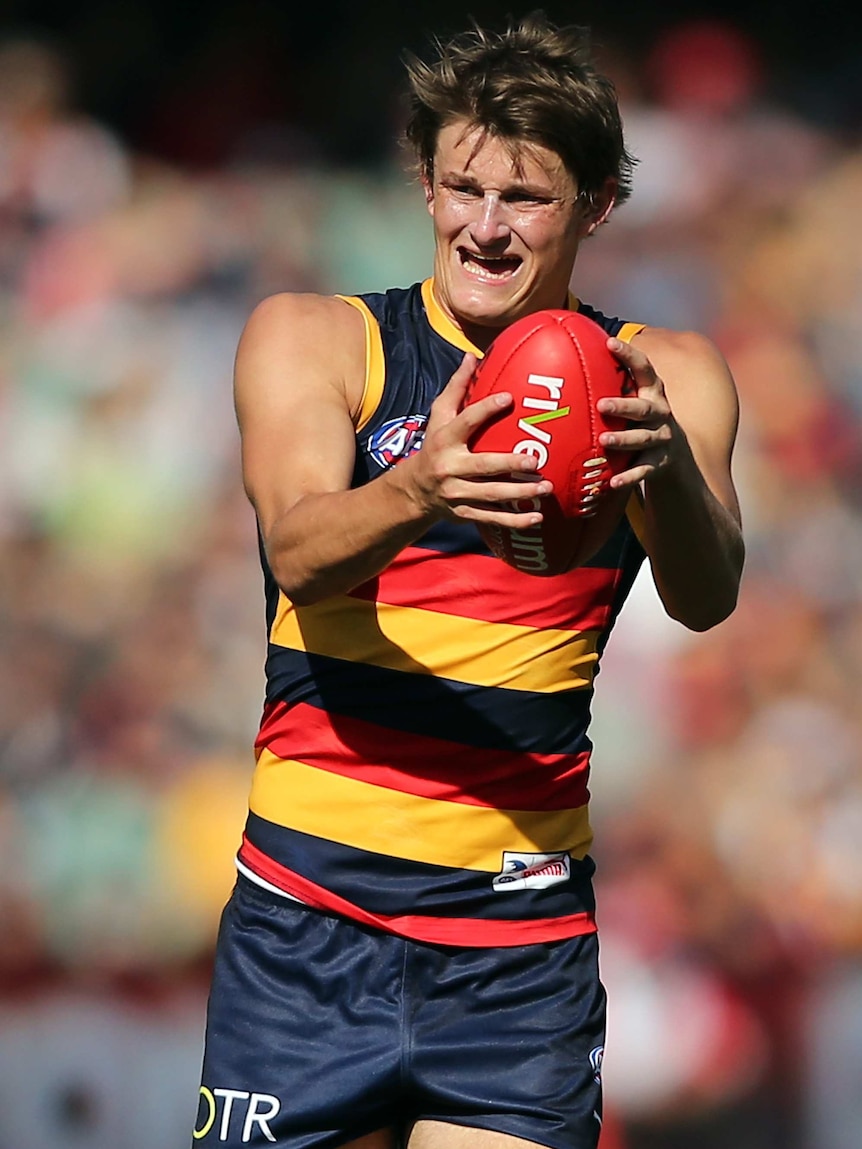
(518, 186)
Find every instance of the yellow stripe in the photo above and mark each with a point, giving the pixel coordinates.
(635, 505)
(452, 333)
(384, 821)
(443, 645)
(375, 362)
(629, 330)
(441, 322)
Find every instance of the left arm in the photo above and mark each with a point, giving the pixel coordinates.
(682, 430)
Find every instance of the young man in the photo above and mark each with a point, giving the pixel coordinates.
(410, 952)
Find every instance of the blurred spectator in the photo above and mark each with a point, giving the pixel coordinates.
(56, 165)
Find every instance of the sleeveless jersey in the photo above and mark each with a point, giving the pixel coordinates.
(423, 754)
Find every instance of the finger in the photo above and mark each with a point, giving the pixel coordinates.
(640, 408)
(630, 357)
(638, 367)
(512, 520)
(633, 476)
(452, 396)
(475, 414)
(493, 463)
(636, 438)
(518, 493)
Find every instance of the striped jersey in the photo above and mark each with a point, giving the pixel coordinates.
(423, 754)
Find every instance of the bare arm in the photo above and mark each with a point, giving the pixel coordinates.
(684, 422)
(298, 386)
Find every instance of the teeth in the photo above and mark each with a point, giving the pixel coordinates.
(483, 272)
(489, 267)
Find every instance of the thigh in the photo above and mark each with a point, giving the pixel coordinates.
(443, 1135)
(302, 1045)
(510, 1040)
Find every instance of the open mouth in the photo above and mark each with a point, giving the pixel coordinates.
(490, 268)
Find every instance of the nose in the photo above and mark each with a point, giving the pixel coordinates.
(490, 227)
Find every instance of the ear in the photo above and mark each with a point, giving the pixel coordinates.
(428, 187)
(601, 208)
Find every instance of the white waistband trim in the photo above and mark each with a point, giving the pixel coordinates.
(259, 881)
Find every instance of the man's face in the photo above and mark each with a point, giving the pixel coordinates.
(507, 228)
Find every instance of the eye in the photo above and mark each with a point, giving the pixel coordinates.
(525, 198)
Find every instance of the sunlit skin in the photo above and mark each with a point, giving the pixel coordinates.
(507, 228)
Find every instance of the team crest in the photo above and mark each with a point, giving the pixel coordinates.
(396, 439)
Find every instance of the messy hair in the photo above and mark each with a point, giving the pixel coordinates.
(532, 83)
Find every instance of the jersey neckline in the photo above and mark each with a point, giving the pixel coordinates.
(448, 329)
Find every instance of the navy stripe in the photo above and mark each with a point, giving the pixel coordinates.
(621, 551)
(385, 885)
(622, 548)
(610, 323)
(453, 539)
(625, 550)
(490, 718)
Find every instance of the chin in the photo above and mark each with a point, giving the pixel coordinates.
(485, 308)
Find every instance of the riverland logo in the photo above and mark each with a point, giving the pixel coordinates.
(539, 438)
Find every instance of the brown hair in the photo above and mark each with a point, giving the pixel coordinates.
(534, 82)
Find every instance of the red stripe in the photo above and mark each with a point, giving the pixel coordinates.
(437, 931)
(426, 767)
(484, 588)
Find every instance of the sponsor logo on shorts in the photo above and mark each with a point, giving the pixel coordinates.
(596, 1058)
(237, 1111)
(531, 871)
(396, 439)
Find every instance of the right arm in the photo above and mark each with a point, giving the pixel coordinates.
(298, 384)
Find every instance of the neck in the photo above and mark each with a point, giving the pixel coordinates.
(466, 334)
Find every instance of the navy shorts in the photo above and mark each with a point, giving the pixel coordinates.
(321, 1030)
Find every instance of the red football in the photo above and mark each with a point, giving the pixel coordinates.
(557, 365)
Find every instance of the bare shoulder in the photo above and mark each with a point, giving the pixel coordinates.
(702, 395)
(292, 315)
(298, 383)
(676, 352)
(298, 342)
(696, 379)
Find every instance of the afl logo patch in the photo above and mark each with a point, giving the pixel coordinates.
(396, 439)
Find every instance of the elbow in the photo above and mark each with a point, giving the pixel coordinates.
(300, 588)
(304, 587)
(301, 596)
(301, 593)
(706, 611)
(712, 599)
(701, 621)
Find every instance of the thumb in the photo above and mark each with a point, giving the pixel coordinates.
(453, 394)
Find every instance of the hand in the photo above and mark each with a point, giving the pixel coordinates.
(653, 435)
(455, 482)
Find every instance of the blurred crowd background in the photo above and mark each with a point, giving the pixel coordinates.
(160, 176)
